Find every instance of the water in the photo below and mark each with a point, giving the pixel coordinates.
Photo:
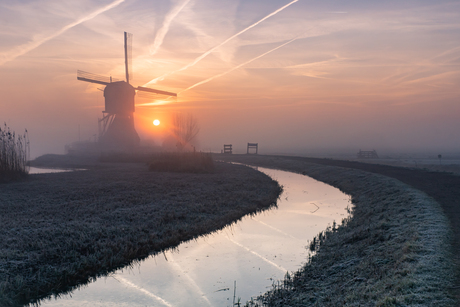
(256, 252)
(40, 170)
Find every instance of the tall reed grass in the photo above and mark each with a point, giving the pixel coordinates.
(14, 153)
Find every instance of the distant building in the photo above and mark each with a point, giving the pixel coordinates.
(367, 154)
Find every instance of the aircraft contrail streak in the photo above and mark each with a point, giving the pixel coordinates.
(132, 285)
(238, 66)
(156, 103)
(276, 229)
(23, 49)
(189, 278)
(258, 255)
(219, 45)
(165, 27)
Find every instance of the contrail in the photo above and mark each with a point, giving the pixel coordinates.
(258, 255)
(276, 229)
(165, 101)
(23, 49)
(156, 103)
(236, 67)
(165, 27)
(190, 279)
(132, 285)
(224, 42)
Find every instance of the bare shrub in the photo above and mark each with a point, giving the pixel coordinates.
(14, 153)
(185, 129)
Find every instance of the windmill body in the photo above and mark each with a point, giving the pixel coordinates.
(119, 98)
(116, 128)
(119, 107)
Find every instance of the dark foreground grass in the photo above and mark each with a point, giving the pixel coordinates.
(394, 250)
(60, 230)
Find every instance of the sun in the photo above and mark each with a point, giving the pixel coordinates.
(156, 122)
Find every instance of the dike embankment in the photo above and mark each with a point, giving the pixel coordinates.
(394, 250)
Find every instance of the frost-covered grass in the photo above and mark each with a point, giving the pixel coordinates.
(63, 229)
(394, 250)
(14, 153)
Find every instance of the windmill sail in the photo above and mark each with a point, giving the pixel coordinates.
(117, 125)
(93, 78)
(151, 90)
(128, 56)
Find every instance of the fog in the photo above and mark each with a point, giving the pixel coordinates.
(297, 77)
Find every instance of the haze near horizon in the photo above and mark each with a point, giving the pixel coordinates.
(294, 76)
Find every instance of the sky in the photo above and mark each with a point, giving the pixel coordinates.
(302, 77)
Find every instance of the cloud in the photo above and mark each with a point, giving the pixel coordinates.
(221, 44)
(165, 27)
(25, 48)
(238, 66)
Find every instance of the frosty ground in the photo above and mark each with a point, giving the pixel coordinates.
(396, 249)
(59, 230)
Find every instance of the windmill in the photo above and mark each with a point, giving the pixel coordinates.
(116, 127)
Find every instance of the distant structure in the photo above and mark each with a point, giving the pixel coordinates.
(253, 146)
(367, 154)
(116, 128)
(227, 148)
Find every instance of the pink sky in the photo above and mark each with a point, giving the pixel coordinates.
(294, 76)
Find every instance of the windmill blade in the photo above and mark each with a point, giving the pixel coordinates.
(151, 95)
(151, 90)
(128, 56)
(93, 78)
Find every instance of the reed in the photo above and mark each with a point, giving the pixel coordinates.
(14, 153)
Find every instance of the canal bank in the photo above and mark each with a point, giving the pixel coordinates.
(61, 230)
(234, 264)
(395, 250)
(395, 253)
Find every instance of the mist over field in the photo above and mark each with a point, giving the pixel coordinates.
(297, 77)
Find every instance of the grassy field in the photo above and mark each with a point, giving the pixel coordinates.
(394, 250)
(63, 229)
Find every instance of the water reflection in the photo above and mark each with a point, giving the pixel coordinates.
(256, 252)
(39, 170)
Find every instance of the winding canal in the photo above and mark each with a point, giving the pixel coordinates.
(251, 254)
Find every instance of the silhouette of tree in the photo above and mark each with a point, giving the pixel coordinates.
(185, 129)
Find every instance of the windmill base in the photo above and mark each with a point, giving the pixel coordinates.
(120, 134)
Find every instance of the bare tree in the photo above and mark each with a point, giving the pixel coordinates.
(185, 130)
